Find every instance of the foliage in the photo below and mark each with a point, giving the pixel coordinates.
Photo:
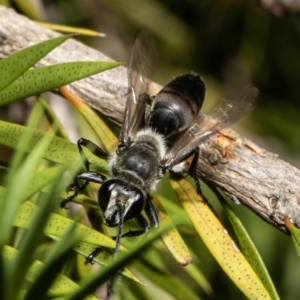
(206, 37)
(19, 261)
(28, 177)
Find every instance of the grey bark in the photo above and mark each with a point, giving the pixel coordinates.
(247, 173)
(281, 7)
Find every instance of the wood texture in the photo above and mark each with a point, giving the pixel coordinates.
(245, 172)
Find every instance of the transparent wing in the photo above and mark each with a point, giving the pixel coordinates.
(140, 69)
(224, 114)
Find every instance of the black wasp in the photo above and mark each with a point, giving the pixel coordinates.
(150, 146)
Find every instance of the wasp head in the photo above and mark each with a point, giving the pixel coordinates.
(120, 201)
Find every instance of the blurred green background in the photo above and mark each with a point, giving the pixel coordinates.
(210, 38)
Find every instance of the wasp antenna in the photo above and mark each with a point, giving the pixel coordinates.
(120, 230)
(121, 212)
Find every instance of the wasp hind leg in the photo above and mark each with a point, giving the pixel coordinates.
(193, 171)
(132, 233)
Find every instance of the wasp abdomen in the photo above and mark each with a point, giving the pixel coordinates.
(177, 105)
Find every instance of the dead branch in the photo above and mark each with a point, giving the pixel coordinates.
(245, 172)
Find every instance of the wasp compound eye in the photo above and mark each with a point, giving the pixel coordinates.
(117, 197)
(137, 200)
(105, 193)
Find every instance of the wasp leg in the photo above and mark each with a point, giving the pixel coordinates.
(109, 285)
(90, 258)
(151, 212)
(141, 220)
(95, 149)
(193, 170)
(92, 176)
(88, 176)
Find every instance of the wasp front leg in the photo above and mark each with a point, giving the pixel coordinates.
(87, 175)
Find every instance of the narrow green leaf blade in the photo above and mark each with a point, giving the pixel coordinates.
(295, 235)
(53, 264)
(218, 241)
(182, 292)
(172, 239)
(51, 117)
(38, 181)
(57, 226)
(29, 241)
(48, 78)
(16, 64)
(103, 258)
(108, 140)
(62, 284)
(59, 151)
(66, 28)
(122, 259)
(249, 249)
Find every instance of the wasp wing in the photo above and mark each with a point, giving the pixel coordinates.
(224, 114)
(140, 69)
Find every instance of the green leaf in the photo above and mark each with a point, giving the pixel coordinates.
(59, 151)
(172, 239)
(249, 248)
(48, 78)
(103, 132)
(29, 9)
(65, 28)
(16, 64)
(295, 235)
(38, 181)
(53, 264)
(51, 117)
(104, 258)
(62, 284)
(31, 239)
(91, 283)
(57, 226)
(218, 241)
(199, 278)
(17, 181)
(169, 284)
